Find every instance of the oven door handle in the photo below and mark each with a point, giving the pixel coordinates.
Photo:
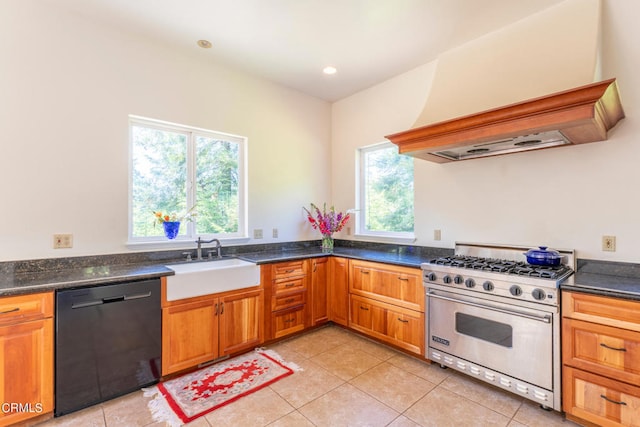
(545, 318)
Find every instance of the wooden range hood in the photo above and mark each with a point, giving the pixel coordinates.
(576, 116)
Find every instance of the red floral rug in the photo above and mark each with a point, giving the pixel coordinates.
(185, 398)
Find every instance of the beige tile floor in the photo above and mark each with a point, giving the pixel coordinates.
(347, 380)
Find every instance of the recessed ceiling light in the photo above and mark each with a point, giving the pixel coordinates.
(329, 70)
(205, 44)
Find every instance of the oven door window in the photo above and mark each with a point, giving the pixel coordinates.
(484, 329)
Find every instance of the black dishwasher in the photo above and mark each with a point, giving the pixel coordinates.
(108, 342)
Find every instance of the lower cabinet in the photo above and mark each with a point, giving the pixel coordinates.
(601, 359)
(599, 399)
(200, 329)
(26, 357)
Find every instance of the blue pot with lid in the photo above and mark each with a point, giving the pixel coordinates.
(543, 256)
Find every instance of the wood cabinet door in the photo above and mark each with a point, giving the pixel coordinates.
(338, 284)
(26, 369)
(600, 400)
(367, 316)
(391, 284)
(287, 322)
(241, 321)
(319, 294)
(406, 328)
(189, 334)
(605, 350)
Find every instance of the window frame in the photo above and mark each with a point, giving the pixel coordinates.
(192, 133)
(361, 230)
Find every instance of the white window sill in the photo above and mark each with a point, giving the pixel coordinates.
(184, 243)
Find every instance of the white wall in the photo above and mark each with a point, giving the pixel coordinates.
(563, 197)
(67, 85)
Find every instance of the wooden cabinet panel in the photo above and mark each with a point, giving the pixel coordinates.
(605, 350)
(288, 321)
(189, 334)
(406, 328)
(23, 308)
(319, 295)
(391, 284)
(338, 284)
(26, 356)
(241, 321)
(605, 310)
(286, 286)
(600, 400)
(287, 270)
(367, 316)
(287, 301)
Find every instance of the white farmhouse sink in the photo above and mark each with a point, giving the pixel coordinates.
(210, 277)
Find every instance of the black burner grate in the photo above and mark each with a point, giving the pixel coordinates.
(519, 268)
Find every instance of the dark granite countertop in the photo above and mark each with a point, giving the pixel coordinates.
(395, 256)
(41, 281)
(607, 278)
(30, 276)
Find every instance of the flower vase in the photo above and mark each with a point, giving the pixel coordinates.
(327, 243)
(171, 229)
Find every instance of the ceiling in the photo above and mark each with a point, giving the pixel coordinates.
(290, 41)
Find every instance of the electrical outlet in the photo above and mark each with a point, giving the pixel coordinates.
(274, 233)
(348, 231)
(62, 241)
(257, 233)
(609, 243)
(437, 235)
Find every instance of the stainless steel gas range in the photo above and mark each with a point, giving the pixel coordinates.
(496, 318)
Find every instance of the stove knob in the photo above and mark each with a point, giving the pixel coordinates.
(446, 279)
(538, 294)
(515, 290)
(458, 279)
(487, 286)
(469, 283)
(432, 276)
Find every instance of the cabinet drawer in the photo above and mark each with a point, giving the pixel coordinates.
(288, 322)
(407, 329)
(394, 285)
(367, 316)
(606, 310)
(286, 270)
(600, 400)
(287, 301)
(605, 350)
(288, 286)
(24, 308)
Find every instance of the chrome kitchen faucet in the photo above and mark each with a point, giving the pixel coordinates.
(200, 242)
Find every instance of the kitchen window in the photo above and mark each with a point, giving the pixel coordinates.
(174, 168)
(385, 192)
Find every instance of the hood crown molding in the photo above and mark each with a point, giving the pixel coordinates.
(577, 116)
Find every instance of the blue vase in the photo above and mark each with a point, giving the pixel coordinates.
(171, 229)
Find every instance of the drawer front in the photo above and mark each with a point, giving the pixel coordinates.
(24, 308)
(287, 301)
(600, 400)
(286, 270)
(288, 322)
(407, 329)
(365, 316)
(598, 309)
(288, 286)
(394, 285)
(609, 351)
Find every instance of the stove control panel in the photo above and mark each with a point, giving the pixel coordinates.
(521, 288)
